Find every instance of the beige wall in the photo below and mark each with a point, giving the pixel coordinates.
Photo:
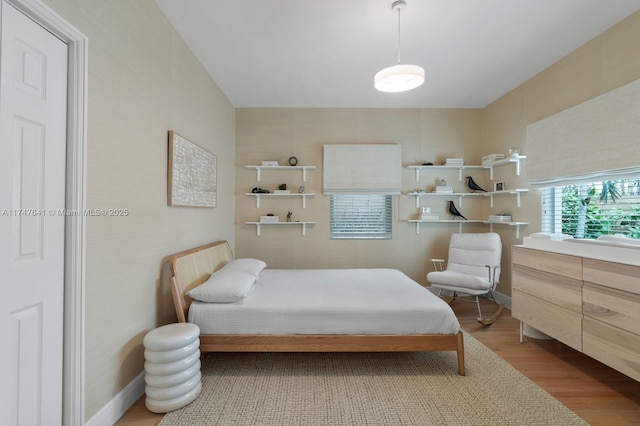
(276, 134)
(609, 61)
(143, 81)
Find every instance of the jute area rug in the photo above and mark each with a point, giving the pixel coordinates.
(409, 388)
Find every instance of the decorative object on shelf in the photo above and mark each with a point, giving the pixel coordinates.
(443, 188)
(191, 175)
(270, 218)
(301, 189)
(293, 161)
(426, 215)
(500, 217)
(513, 151)
(400, 77)
(257, 190)
(489, 159)
(282, 189)
(270, 163)
(454, 211)
(498, 186)
(428, 163)
(289, 214)
(473, 186)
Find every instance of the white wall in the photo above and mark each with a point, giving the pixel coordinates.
(143, 82)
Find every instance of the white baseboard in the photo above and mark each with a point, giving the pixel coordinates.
(110, 413)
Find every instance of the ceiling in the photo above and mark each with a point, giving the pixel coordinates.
(324, 53)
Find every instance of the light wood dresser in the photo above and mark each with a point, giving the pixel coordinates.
(590, 305)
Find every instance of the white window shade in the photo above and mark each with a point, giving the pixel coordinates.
(362, 169)
(598, 138)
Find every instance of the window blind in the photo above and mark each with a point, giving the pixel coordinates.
(360, 216)
(598, 139)
(362, 169)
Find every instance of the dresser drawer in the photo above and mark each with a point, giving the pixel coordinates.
(614, 275)
(560, 323)
(613, 307)
(559, 290)
(554, 263)
(612, 346)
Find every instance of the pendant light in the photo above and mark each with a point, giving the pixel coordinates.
(400, 77)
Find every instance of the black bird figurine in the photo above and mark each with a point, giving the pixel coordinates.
(473, 186)
(454, 211)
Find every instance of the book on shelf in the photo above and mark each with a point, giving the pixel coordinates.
(499, 218)
(454, 162)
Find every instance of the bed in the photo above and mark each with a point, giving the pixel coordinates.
(307, 310)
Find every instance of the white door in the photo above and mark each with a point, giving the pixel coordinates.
(33, 103)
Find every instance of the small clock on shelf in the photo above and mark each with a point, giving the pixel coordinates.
(293, 161)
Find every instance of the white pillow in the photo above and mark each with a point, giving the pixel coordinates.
(252, 266)
(224, 286)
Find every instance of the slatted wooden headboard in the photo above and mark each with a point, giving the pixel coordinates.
(192, 267)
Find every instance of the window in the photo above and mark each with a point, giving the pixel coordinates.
(611, 207)
(360, 216)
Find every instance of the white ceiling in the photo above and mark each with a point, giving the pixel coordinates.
(324, 53)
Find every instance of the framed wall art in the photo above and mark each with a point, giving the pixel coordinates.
(191, 174)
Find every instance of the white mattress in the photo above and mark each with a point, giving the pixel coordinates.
(329, 301)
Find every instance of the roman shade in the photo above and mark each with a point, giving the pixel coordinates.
(362, 169)
(596, 140)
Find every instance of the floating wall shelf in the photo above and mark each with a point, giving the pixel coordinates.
(259, 224)
(304, 197)
(302, 168)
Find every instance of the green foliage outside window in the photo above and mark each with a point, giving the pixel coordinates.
(609, 208)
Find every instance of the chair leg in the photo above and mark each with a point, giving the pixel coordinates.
(448, 299)
(495, 316)
(479, 310)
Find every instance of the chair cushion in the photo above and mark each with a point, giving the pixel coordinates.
(458, 281)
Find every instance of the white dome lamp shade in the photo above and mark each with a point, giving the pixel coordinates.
(400, 77)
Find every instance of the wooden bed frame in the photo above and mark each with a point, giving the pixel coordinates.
(192, 267)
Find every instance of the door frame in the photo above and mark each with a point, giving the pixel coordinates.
(74, 256)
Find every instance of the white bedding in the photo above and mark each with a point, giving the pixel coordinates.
(329, 301)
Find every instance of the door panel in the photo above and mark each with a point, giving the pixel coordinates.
(32, 198)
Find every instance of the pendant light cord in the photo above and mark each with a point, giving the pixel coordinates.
(398, 35)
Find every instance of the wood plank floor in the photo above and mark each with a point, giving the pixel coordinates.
(598, 394)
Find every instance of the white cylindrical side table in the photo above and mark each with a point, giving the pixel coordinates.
(172, 366)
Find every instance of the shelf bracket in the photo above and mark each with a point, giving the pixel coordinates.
(417, 175)
(517, 198)
(257, 201)
(258, 229)
(491, 200)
